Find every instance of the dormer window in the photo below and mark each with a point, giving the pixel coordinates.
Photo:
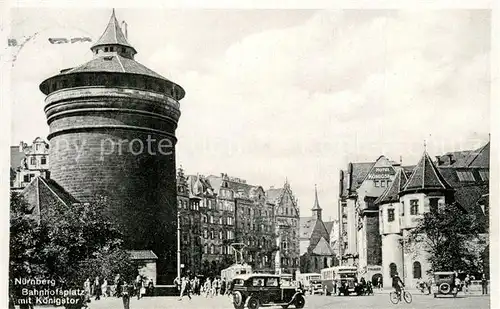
(106, 49)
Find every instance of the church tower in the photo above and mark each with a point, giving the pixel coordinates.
(112, 133)
(316, 210)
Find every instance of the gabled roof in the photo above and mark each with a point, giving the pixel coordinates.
(425, 176)
(113, 35)
(391, 193)
(329, 226)
(322, 248)
(306, 228)
(480, 157)
(142, 255)
(359, 172)
(273, 194)
(42, 193)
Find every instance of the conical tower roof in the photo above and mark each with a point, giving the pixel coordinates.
(425, 176)
(316, 201)
(113, 35)
(391, 193)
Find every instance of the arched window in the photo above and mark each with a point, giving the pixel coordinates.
(417, 270)
(393, 269)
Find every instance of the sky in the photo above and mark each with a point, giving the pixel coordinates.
(296, 94)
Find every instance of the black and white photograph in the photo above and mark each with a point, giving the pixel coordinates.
(248, 157)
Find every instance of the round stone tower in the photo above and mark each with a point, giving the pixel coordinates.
(112, 133)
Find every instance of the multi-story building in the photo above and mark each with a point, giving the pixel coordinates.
(286, 228)
(28, 162)
(381, 203)
(232, 211)
(189, 220)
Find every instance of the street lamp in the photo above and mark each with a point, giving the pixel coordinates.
(178, 244)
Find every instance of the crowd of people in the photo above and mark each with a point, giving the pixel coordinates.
(194, 286)
(120, 288)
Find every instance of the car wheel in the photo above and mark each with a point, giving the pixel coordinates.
(238, 300)
(444, 288)
(253, 303)
(300, 301)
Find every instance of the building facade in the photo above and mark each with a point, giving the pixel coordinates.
(28, 162)
(112, 133)
(388, 199)
(231, 211)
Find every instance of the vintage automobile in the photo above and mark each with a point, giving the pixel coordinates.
(346, 286)
(444, 284)
(256, 290)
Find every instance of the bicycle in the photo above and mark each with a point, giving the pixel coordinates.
(396, 298)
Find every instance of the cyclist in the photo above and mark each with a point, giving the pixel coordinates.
(397, 283)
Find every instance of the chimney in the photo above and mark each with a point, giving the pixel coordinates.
(450, 156)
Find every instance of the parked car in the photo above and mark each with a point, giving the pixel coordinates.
(256, 290)
(444, 284)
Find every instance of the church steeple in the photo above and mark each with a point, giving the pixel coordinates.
(113, 41)
(316, 209)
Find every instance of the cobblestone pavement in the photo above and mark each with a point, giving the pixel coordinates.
(379, 300)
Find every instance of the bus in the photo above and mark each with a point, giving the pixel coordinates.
(235, 270)
(306, 279)
(344, 276)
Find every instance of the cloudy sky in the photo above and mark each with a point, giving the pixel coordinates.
(287, 93)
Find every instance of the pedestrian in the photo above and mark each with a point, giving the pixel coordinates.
(484, 285)
(379, 283)
(87, 290)
(125, 294)
(138, 286)
(177, 283)
(97, 288)
(223, 287)
(217, 286)
(118, 285)
(151, 287)
(184, 288)
(104, 288)
(207, 287)
(467, 283)
(334, 287)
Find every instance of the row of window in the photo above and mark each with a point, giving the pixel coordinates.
(33, 160)
(382, 183)
(417, 270)
(414, 208)
(220, 235)
(117, 80)
(222, 220)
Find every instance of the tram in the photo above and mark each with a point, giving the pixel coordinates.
(343, 276)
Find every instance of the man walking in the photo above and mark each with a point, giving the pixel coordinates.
(484, 284)
(184, 288)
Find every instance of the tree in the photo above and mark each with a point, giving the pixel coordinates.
(66, 243)
(446, 235)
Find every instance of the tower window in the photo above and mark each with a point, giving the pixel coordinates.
(390, 215)
(44, 160)
(414, 207)
(417, 270)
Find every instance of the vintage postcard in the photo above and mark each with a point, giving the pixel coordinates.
(246, 158)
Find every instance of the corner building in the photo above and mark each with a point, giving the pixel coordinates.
(109, 118)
